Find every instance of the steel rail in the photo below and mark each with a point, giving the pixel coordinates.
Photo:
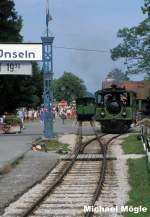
(97, 136)
(89, 141)
(102, 175)
(78, 149)
(60, 178)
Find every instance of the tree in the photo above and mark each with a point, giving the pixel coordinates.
(136, 44)
(68, 87)
(20, 91)
(16, 91)
(10, 22)
(118, 75)
(30, 89)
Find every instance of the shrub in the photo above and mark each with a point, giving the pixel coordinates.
(12, 120)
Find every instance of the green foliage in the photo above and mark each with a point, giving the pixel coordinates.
(12, 120)
(146, 7)
(118, 75)
(31, 88)
(135, 46)
(10, 22)
(16, 91)
(20, 91)
(132, 145)
(54, 145)
(68, 87)
(139, 180)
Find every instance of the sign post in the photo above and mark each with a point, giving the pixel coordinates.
(21, 52)
(15, 68)
(15, 59)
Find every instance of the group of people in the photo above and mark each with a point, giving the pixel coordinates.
(66, 112)
(31, 114)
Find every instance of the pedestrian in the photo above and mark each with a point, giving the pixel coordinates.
(1, 120)
(41, 115)
(21, 117)
(57, 111)
(53, 112)
(30, 114)
(35, 115)
(26, 115)
(63, 116)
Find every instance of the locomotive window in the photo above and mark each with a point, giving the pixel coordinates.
(124, 99)
(128, 99)
(99, 99)
(121, 97)
(110, 97)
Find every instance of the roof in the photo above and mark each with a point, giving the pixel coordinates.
(141, 88)
(114, 89)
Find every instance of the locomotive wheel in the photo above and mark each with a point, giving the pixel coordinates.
(124, 128)
(104, 129)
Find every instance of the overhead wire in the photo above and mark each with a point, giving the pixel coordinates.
(82, 49)
(77, 49)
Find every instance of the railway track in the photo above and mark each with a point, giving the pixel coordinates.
(77, 181)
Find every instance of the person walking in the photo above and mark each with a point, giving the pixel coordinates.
(21, 117)
(41, 115)
(63, 116)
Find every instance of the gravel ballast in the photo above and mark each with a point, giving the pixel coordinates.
(30, 170)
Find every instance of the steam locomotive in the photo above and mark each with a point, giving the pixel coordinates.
(116, 109)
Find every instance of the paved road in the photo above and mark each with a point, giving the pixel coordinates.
(37, 128)
(14, 145)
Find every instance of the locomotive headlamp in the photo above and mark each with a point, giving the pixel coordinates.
(124, 114)
(102, 114)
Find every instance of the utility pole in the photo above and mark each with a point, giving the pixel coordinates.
(47, 44)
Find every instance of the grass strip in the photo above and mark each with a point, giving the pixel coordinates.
(54, 145)
(139, 180)
(132, 145)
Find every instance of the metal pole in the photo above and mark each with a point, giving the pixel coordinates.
(48, 85)
(47, 43)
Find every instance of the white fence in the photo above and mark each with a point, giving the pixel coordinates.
(145, 137)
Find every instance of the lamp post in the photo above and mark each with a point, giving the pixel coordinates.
(47, 43)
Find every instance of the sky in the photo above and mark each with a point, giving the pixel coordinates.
(88, 24)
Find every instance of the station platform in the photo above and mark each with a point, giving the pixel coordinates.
(20, 167)
(12, 148)
(15, 146)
